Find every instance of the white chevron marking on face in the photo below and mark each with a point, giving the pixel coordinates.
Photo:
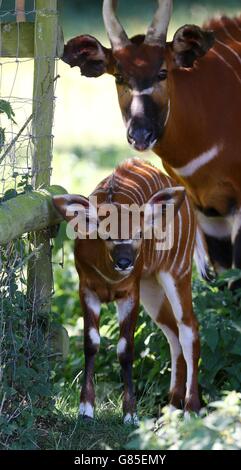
(137, 106)
(145, 91)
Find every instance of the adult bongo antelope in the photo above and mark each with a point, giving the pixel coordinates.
(183, 99)
(124, 270)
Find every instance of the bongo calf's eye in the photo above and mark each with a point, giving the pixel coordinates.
(162, 75)
(119, 79)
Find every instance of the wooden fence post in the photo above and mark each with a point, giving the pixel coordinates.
(40, 277)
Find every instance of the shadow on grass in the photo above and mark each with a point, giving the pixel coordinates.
(62, 432)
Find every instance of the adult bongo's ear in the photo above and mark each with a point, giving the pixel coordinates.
(190, 43)
(89, 55)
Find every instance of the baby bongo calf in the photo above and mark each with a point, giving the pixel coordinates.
(136, 268)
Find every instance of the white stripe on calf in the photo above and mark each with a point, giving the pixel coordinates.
(124, 307)
(130, 186)
(108, 279)
(175, 349)
(92, 301)
(186, 338)
(167, 281)
(121, 346)
(189, 234)
(143, 178)
(152, 296)
(94, 336)
(180, 232)
(86, 409)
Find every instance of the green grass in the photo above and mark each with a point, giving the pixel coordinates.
(217, 428)
(65, 430)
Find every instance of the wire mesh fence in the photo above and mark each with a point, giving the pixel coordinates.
(24, 351)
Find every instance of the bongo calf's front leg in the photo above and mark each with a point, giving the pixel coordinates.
(91, 307)
(127, 313)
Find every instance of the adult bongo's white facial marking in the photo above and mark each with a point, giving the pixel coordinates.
(137, 106)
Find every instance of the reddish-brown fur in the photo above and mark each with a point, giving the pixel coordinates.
(203, 91)
(138, 182)
(205, 110)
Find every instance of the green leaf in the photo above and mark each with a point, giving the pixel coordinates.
(2, 137)
(9, 194)
(5, 107)
(236, 349)
(211, 337)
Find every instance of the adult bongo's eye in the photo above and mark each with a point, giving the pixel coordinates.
(162, 74)
(119, 79)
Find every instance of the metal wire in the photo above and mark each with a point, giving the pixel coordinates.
(16, 87)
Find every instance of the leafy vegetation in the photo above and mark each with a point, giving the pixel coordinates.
(24, 370)
(5, 108)
(39, 395)
(218, 430)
